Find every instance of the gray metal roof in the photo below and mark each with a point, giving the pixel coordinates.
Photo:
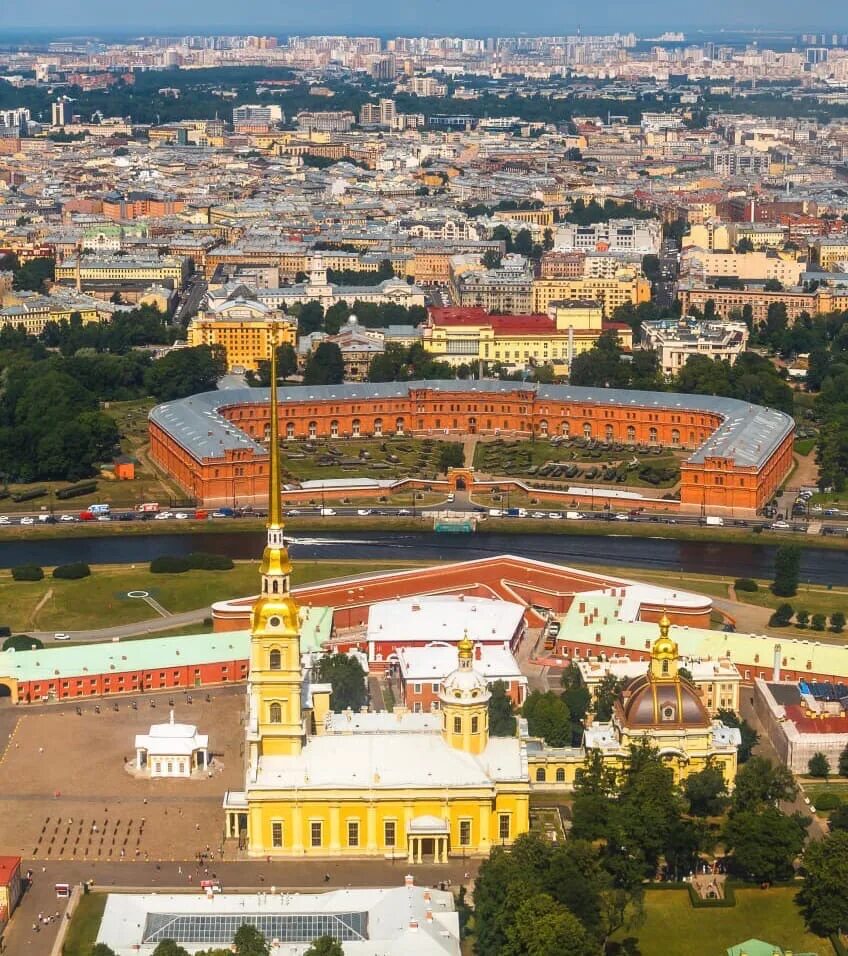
(749, 433)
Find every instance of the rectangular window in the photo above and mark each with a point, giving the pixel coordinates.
(277, 833)
(316, 833)
(465, 833)
(416, 688)
(503, 826)
(390, 833)
(353, 832)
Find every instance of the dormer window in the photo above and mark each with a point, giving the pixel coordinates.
(668, 713)
(273, 621)
(665, 668)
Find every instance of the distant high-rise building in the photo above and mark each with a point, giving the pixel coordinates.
(58, 112)
(257, 115)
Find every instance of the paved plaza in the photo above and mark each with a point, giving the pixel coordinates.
(66, 795)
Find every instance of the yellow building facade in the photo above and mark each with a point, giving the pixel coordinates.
(245, 330)
(417, 787)
(622, 289)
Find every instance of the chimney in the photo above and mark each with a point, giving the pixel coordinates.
(409, 880)
(429, 916)
(775, 676)
(478, 652)
(413, 926)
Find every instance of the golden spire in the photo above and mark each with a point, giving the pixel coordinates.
(275, 509)
(465, 647)
(665, 625)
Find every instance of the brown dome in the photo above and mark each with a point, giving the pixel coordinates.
(671, 703)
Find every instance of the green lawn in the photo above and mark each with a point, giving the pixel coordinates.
(816, 600)
(390, 457)
(673, 927)
(101, 598)
(526, 458)
(82, 933)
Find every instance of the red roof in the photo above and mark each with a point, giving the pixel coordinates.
(502, 324)
(816, 725)
(9, 865)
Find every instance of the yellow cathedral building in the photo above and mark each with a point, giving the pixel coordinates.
(420, 786)
(417, 787)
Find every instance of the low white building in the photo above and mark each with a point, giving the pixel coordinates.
(674, 340)
(171, 750)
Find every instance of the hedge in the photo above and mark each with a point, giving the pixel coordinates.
(827, 801)
(72, 571)
(29, 495)
(196, 561)
(73, 491)
(21, 642)
(27, 572)
(746, 584)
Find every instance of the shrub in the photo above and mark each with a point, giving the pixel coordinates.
(29, 495)
(5, 631)
(818, 622)
(21, 642)
(746, 584)
(72, 571)
(169, 564)
(827, 801)
(27, 572)
(818, 765)
(201, 561)
(782, 616)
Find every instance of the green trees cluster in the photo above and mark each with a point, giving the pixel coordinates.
(604, 366)
(32, 276)
(787, 570)
(312, 318)
(286, 366)
(347, 678)
(185, 372)
(358, 277)
(502, 721)
(549, 900)
(752, 378)
(404, 363)
(325, 365)
(548, 717)
(521, 244)
(127, 329)
(586, 214)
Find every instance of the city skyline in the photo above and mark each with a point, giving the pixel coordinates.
(476, 18)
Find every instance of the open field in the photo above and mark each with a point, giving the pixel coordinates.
(82, 933)
(100, 600)
(673, 927)
(615, 464)
(390, 457)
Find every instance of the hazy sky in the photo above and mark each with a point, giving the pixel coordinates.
(470, 17)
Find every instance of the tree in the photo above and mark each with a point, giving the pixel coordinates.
(837, 622)
(773, 285)
(749, 736)
(185, 372)
(787, 570)
(595, 784)
(818, 765)
(706, 791)
(491, 259)
(744, 245)
(310, 318)
(824, 895)
(324, 366)
(802, 617)
(764, 843)
(501, 715)
(544, 927)
(608, 690)
(838, 819)
(548, 717)
(818, 622)
(842, 766)
(761, 784)
(249, 941)
(22, 642)
(34, 274)
(347, 678)
(451, 455)
(325, 946)
(169, 948)
(101, 949)
(782, 615)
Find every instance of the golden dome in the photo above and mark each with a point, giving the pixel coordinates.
(664, 646)
(465, 648)
(652, 704)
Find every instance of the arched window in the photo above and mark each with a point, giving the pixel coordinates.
(399, 425)
(378, 427)
(608, 433)
(312, 429)
(334, 429)
(457, 725)
(289, 429)
(274, 660)
(540, 774)
(275, 713)
(631, 433)
(587, 429)
(668, 713)
(560, 775)
(475, 725)
(675, 436)
(543, 427)
(564, 429)
(652, 436)
(355, 427)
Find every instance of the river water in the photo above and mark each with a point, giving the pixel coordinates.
(818, 565)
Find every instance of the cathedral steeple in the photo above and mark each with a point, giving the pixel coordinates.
(275, 682)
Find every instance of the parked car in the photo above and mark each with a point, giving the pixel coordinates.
(27, 520)
(67, 518)
(61, 636)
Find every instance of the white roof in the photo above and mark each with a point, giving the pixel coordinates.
(397, 921)
(398, 721)
(444, 617)
(388, 761)
(435, 661)
(171, 739)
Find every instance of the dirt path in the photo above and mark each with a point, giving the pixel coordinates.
(33, 621)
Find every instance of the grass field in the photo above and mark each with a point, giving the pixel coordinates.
(525, 458)
(82, 933)
(100, 600)
(390, 457)
(673, 927)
